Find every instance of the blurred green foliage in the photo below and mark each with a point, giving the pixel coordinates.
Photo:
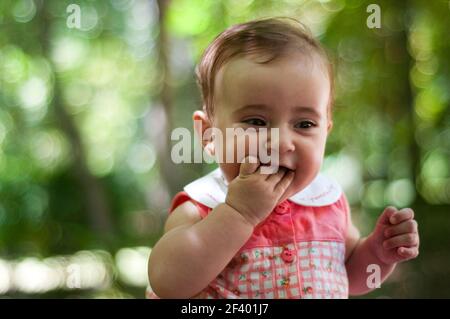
(85, 116)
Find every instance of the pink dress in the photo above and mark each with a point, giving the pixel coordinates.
(296, 252)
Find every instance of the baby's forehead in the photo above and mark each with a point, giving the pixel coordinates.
(288, 77)
(237, 65)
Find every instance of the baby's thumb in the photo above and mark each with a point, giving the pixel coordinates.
(248, 166)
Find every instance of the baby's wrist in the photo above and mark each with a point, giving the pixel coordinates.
(244, 217)
(375, 246)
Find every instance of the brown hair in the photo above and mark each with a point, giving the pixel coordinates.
(271, 38)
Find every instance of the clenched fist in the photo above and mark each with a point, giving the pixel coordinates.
(396, 236)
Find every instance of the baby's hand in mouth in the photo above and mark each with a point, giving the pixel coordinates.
(254, 194)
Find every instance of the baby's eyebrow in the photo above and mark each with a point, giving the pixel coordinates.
(252, 107)
(306, 109)
(263, 107)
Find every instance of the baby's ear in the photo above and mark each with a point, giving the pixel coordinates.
(203, 129)
(329, 127)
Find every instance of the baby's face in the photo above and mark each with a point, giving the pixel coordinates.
(290, 94)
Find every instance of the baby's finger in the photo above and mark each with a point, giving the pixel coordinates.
(384, 217)
(276, 177)
(285, 181)
(248, 166)
(401, 215)
(408, 252)
(409, 226)
(406, 240)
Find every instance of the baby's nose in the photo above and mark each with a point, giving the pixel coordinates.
(285, 146)
(281, 143)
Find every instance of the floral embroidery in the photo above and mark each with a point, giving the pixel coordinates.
(285, 282)
(308, 290)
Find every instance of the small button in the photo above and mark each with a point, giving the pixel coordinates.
(288, 255)
(282, 208)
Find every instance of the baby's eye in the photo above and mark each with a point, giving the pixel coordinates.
(305, 124)
(255, 122)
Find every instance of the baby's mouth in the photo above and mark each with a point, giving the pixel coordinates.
(277, 168)
(286, 169)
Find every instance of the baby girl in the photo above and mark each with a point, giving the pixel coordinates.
(241, 233)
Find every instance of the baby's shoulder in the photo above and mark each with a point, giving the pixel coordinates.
(185, 214)
(185, 210)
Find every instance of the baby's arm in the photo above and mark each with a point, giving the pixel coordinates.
(193, 251)
(394, 239)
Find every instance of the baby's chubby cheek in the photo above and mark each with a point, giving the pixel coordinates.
(307, 167)
(303, 178)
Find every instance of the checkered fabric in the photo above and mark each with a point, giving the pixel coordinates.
(316, 271)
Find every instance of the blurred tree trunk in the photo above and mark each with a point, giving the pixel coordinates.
(163, 143)
(98, 211)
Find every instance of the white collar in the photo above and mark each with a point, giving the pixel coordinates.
(211, 190)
